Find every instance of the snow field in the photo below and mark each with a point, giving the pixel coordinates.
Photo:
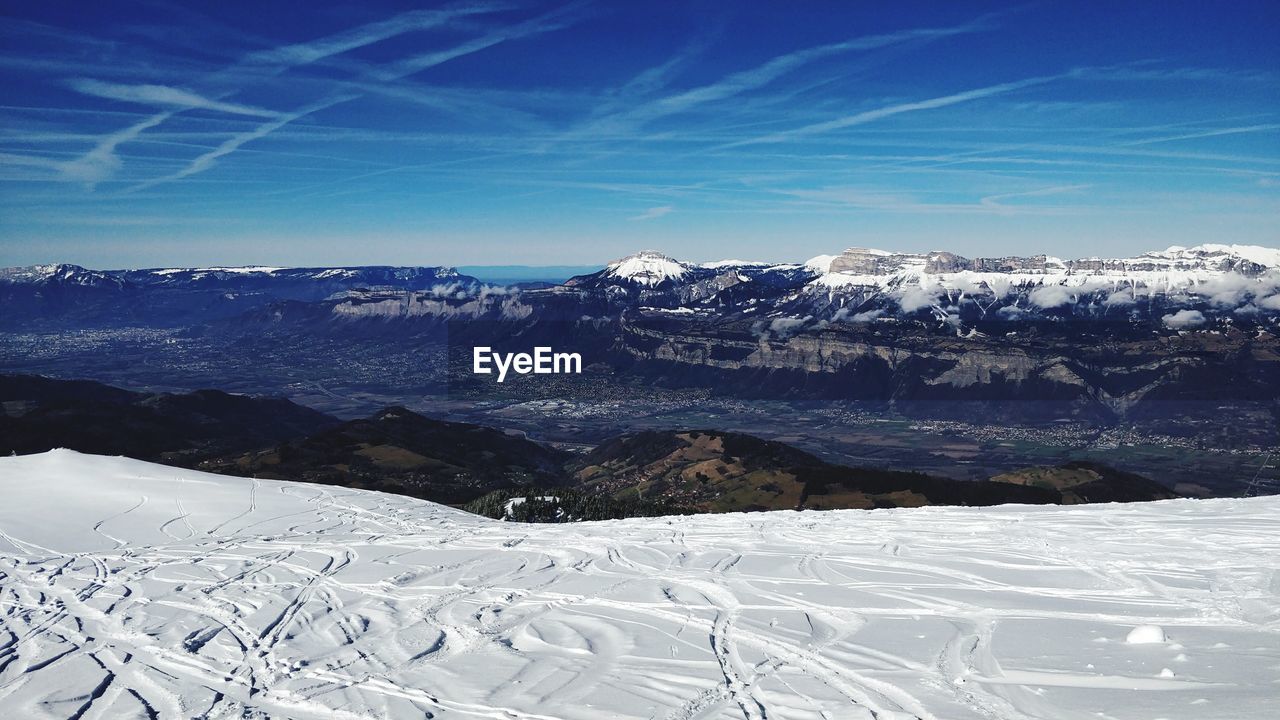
(135, 590)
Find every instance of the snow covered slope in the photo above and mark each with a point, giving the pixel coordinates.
(137, 590)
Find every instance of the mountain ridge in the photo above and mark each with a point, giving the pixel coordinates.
(653, 265)
(397, 450)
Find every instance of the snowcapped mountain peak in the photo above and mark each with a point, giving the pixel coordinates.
(860, 260)
(1216, 255)
(1223, 275)
(237, 270)
(718, 264)
(648, 267)
(62, 273)
(865, 261)
(1201, 260)
(264, 276)
(820, 264)
(36, 273)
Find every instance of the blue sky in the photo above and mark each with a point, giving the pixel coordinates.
(138, 134)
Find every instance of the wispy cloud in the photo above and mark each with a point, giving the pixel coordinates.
(230, 145)
(652, 213)
(125, 220)
(555, 20)
(868, 116)
(367, 34)
(13, 159)
(733, 120)
(996, 201)
(757, 77)
(162, 96)
(647, 82)
(904, 202)
(101, 162)
(1207, 133)
(1147, 70)
(469, 105)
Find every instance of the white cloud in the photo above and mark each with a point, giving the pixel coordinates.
(15, 160)
(1209, 133)
(846, 314)
(1000, 285)
(1051, 296)
(162, 96)
(994, 201)
(652, 213)
(962, 284)
(1228, 290)
(368, 34)
(230, 145)
(916, 298)
(1184, 319)
(783, 327)
(761, 75)
(554, 20)
(899, 108)
(1121, 297)
(1270, 303)
(102, 162)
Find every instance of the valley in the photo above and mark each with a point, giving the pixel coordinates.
(1166, 364)
(350, 380)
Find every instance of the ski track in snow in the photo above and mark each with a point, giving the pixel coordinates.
(130, 590)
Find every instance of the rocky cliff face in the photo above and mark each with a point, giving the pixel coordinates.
(1109, 380)
(444, 305)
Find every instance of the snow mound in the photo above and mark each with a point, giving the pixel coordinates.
(1145, 635)
(137, 590)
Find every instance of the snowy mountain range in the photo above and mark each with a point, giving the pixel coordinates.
(247, 277)
(1171, 334)
(176, 296)
(885, 268)
(1229, 277)
(858, 283)
(139, 590)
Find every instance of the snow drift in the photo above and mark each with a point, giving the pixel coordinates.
(138, 590)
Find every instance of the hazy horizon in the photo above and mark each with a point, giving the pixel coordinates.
(546, 271)
(535, 133)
